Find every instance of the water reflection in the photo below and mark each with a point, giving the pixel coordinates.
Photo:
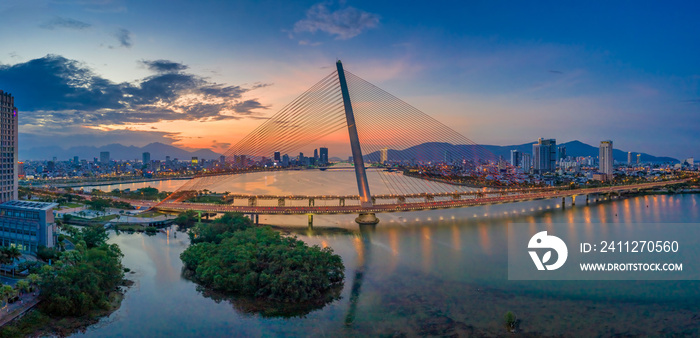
(364, 251)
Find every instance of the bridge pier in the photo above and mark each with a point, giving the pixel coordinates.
(311, 221)
(587, 196)
(563, 202)
(312, 202)
(280, 202)
(257, 219)
(573, 200)
(367, 219)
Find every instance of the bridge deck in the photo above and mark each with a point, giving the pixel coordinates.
(399, 207)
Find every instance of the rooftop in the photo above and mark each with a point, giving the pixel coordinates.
(28, 205)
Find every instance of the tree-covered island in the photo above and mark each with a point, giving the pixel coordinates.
(236, 258)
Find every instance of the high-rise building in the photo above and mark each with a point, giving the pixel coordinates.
(76, 160)
(515, 158)
(222, 160)
(277, 157)
(195, 160)
(323, 155)
(8, 156)
(544, 154)
(526, 162)
(447, 157)
(562, 152)
(104, 157)
(639, 158)
(605, 159)
(383, 155)
(316, 155)
(146, 158)
(629, 157)
(285, 160)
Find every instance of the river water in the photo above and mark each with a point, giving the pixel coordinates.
(440, 272)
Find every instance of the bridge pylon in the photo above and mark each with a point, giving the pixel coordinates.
(360, 174)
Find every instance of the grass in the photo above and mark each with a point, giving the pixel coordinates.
(104, 218)
(71, 205)
(148, 214)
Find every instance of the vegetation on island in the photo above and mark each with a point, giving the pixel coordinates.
(233, 257)
(79, 287)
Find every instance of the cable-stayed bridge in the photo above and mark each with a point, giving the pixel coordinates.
(378, 128)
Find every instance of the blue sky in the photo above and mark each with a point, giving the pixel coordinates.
(202, 74)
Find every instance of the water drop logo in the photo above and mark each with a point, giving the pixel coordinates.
(541, 241)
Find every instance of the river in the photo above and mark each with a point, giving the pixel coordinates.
(440, 272)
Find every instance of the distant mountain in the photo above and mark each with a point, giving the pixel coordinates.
(435, 151)
(116, 151)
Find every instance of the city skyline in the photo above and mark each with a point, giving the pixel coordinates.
(206, 84)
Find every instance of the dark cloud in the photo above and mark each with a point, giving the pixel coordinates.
(124, 38)
(343, 23)
(696, 101)
(59, 22)
(53, 91)
(556, 72)
(164, 66)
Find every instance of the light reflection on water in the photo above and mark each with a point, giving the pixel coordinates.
(448, 274)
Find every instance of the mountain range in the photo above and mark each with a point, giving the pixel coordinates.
(116, 152)
(435, 151)
(432, 151)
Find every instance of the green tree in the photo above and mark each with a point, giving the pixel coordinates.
(8, 254)
(79, 281)
(99, 204)
(220, 228)
(186, 219)
(33, 280)
(6, 292)
(261, 263)
(94, 235)
(22, 286)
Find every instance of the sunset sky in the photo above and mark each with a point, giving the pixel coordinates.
(203, 74)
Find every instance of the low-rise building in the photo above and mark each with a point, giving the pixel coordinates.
(27, 225)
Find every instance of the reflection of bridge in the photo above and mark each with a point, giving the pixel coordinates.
(381, 121)
(394, 203)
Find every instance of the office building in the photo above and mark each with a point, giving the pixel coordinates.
(605, 159)
(629, 157)
(323, 155)
(146, 157)
(447, 157)
(544, 155)
(222, 160)
(285, 160)
(383, 155)
(76, 160)
(27, 225)
(639, 158)
(104, 157)
(195, 160)
(8, 156)
(526, 162)
(515, 158)
(562, 152)
(316, 155)
(278, 158)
